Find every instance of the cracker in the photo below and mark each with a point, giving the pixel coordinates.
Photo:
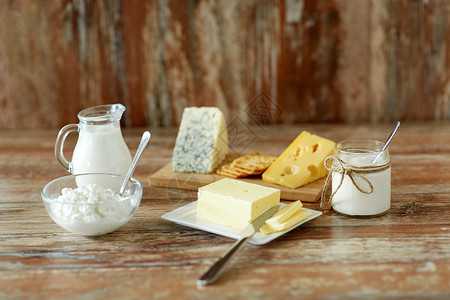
(247, 171)
(229, 171)
(231, 174)
(255, 162)
(246, 165)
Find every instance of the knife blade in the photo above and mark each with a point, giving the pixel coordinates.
(216, 269)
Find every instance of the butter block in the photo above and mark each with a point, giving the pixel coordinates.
(234, 203)
(285, 213)
(301, 162)
(202, 141)
(294, 219)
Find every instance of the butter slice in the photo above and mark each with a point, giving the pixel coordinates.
(234, 203)
(285, 213)
(297, 217)
(301, 162)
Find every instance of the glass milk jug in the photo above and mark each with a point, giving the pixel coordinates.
(100, 147)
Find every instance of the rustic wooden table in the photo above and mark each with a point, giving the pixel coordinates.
(403, 254)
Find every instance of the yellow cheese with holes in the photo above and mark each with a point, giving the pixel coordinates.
(234, 203)
(301, 162)
(297, 217)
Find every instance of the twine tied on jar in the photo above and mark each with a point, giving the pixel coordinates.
(353, 172)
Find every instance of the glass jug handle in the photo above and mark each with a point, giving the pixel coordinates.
(59, 145)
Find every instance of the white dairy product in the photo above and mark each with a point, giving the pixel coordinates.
(348, 199)
(100, 149)
(91, 210)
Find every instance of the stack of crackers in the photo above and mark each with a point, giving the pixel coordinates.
(247, 165)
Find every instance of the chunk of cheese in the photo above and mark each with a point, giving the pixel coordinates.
(284, 213)
(234, 203)
(202, 140)
(294, 219)
(301, 162)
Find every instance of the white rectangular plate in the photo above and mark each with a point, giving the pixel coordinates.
(187, 216)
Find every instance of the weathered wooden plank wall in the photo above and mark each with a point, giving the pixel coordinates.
(303, 60)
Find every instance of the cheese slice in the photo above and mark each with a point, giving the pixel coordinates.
(202, 140)
(301, 162)
(294, 219)
(234, 203)
(285, 213)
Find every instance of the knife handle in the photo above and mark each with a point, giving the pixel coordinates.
(216, 269)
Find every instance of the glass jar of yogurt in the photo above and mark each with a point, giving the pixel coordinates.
(361, 187)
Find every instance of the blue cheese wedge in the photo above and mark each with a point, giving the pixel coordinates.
(202, 141)
(234, 203)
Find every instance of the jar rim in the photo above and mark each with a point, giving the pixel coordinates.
(373, 145)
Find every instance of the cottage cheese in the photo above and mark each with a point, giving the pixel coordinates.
(91, 210)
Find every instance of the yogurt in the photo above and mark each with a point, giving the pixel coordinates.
(369, 193)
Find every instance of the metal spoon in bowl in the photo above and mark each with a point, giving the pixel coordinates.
(144, 141)
(387, 141)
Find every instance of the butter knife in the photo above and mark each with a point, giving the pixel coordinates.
(216, 269)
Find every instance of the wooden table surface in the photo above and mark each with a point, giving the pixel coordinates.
(403, 254)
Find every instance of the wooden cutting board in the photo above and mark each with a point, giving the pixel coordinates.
(165, 177)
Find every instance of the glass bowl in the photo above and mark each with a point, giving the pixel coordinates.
(89, 214)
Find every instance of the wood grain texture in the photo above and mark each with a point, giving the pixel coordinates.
(264, 61)
(166, 177)
(404, 254)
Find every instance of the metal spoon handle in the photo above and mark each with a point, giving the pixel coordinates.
(387, 141)
(144, 141)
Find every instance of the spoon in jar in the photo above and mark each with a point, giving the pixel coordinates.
(387, 141)
(144, 141)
